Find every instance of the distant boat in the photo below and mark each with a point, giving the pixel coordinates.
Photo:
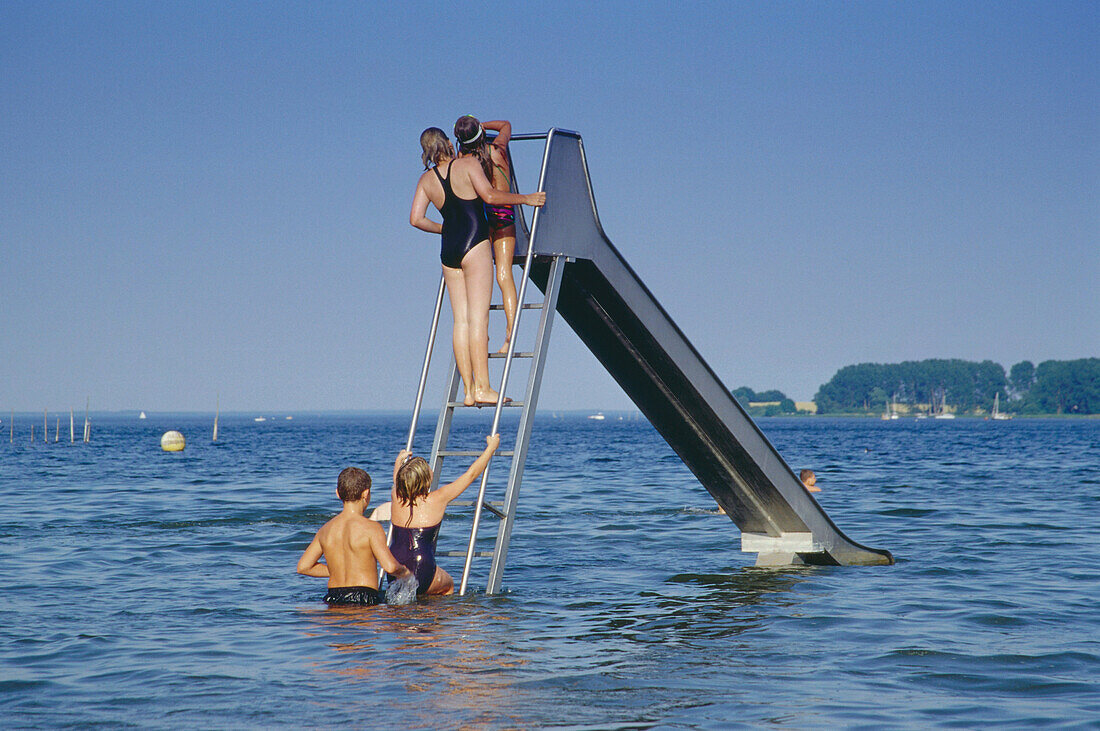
(260, 418)
(598, 416)
(942, 412)
(142, 415)
(289, 418)
(891, 412)
(997, 415)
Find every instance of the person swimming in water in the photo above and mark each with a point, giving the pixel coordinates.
(809, 480)
(496, 164)
(352, 546)
(416, 514)
(457, 187)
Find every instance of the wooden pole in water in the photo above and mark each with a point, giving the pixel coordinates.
(56, 429)
(217, 410)
(46, 426)
(11, 428)
(72, 432)
(87, 425)
(32, 433)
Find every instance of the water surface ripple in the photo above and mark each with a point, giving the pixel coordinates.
(158, 590)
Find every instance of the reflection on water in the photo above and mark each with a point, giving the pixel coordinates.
(451, 657)
(702, 607)
(748, 585)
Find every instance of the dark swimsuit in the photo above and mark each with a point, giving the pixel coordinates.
(500, 217)
(415, 549)
(363, 596)
(464, 224)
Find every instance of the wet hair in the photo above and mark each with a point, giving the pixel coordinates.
(352, 483)
(435, 147)
(413, 479)
(806, 474)
(466, 128)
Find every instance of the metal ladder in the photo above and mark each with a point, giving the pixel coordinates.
(505, 511)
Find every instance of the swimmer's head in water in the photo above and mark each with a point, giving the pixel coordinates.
(808, 477)
(435, 146)
(414, 477)
(352, 484)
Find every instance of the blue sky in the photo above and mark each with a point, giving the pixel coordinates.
(206, 198)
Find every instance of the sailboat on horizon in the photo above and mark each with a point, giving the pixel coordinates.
(997, 414)
(942, 412)
(891, 412)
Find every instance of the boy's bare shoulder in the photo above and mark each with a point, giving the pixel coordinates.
(368, 527)
(324, 529)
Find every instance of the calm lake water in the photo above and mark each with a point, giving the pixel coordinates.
(142, 588)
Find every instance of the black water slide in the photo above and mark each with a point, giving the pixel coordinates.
(622, 323)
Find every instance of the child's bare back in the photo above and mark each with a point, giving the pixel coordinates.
(349, 543)
(352, 547)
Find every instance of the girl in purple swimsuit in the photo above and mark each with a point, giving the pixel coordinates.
(416, 515)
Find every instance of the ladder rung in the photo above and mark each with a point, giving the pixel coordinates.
(462, 554)
(468, 503)
(460, 405)
(472, 453)
(514, 355)
(527, 306)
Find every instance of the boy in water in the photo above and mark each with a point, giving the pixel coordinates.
(353, 546)
(809, 479)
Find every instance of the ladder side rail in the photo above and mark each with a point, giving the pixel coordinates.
(443, 424)
(427, 361)
(420, 389)
(439, 441)
(527, 419)
(528, 261)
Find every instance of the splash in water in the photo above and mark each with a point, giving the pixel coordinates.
(402, 591)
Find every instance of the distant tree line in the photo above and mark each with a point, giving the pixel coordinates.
(777, 401)
(1054, 387)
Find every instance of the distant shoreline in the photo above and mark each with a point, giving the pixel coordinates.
(611, 414)
(970, 417)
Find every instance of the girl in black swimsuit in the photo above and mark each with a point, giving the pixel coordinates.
(457, 188)
(464, 224)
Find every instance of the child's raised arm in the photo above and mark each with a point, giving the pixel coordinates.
(503, 128)
(453, 490)
(398, 462)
